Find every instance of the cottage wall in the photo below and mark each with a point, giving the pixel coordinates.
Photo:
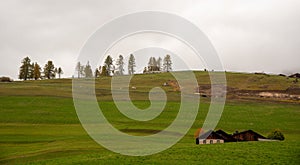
(210, 141)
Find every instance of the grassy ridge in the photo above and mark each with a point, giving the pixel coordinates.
(63, 87)
(38, 125)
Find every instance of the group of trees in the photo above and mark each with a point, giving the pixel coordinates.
(155, 65)
(109, 69)
(84, 70)
(32, 70)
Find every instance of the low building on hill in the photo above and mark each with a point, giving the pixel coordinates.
(219, 136)
(296, 75)
(248, 135)
(209, 137)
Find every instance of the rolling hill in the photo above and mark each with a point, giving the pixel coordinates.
(39, 125)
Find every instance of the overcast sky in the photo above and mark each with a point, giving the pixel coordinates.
(252, 36)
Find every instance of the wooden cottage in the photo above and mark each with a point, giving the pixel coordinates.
(219, 136)
(248, 135)
(209, 137)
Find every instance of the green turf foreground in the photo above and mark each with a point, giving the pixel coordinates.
(45, 130)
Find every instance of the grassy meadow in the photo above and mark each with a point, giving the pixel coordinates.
(39, 125)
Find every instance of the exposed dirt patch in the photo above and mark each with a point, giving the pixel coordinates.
(174, 84)
(291, 93)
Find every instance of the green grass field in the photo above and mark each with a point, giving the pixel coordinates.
(39, 125)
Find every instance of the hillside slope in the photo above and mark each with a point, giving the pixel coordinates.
(239, 86)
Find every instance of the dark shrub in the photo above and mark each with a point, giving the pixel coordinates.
(5, 79)
(276, 135)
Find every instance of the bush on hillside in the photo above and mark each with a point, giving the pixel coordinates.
(276, 135)
(5, 79)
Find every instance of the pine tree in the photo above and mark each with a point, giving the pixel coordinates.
(108, 61)
(78, 69)
(109, 65)
(88, 70)
(158, 64)
(60, 72)
(49, 70)
(31, 71)
(97, 73)
(55, 72)
(151, 64)
(25, 69)
(104, 71)
(131, 64)
(100, 70)
(36, 71)
(167, 63)
(120, 64)
(81, 71)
